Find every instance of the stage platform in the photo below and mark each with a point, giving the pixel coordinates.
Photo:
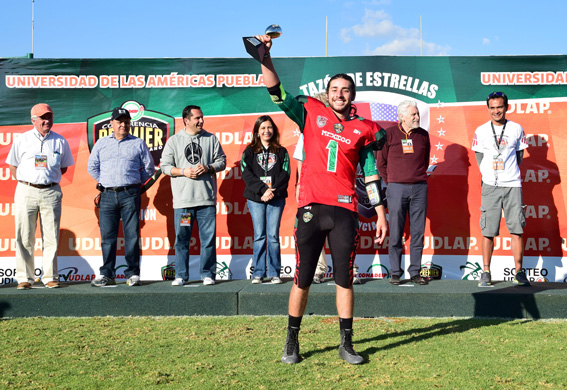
(374, 298)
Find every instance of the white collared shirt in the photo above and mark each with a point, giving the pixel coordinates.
(30, 144)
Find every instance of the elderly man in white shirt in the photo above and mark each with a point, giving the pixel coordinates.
(37, 160)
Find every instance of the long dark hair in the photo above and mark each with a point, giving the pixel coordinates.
(256, 143)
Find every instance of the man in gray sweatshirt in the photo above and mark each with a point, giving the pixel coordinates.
(192, 157)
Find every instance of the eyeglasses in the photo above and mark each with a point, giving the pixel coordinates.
(497, 94)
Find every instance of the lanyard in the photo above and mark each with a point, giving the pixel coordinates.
(42, 139)
(403, 132)
(496, 140)
(266, 156)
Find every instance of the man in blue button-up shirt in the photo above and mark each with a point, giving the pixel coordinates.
(121, 163)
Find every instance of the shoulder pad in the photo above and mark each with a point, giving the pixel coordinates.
(380, 140)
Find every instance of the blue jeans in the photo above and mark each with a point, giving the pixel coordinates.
(205, 216)
(406, 200)
(114, 206)
(266, 218)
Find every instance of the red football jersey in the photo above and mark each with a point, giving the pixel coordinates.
(331, 150)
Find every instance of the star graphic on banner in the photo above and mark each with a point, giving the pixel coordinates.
(441, 132)
(434, 160)
(439, 146)
(296, 133)
(439, 104)
(441, 119)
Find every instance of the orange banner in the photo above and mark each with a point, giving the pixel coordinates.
(454, 189)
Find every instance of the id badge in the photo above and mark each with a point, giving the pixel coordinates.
(267, 180)
(185, 219)
(498, 163)
(40, 161)
(407, 146)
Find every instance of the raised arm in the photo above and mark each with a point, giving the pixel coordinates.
(271, 78)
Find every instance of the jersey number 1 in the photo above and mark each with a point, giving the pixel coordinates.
(333, 147)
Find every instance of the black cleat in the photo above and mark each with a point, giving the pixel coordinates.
(291, 349)
(346, 351)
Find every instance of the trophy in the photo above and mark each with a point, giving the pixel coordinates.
(255, 47)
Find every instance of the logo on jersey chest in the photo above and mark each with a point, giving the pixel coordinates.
(321, 121)
(339, 128)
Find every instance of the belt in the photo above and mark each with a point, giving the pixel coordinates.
(40, 186)
(120, 189)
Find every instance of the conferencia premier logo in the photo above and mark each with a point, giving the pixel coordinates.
(153, 127)
(431, 271)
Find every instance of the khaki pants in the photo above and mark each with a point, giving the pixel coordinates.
(29, 203)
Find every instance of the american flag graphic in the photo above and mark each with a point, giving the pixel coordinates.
(383, 112)
(377, 111)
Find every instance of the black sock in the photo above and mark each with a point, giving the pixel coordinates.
(294, 322)
(345, 323)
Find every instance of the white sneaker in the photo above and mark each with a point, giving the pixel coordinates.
(356, 280)
(208, 281)
(257, 280)
(178, 282)
(276, 280)
(133, 280)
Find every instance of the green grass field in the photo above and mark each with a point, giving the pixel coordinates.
(244, 353)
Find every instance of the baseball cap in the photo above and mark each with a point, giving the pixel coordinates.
(118, 112)
(40, 109)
